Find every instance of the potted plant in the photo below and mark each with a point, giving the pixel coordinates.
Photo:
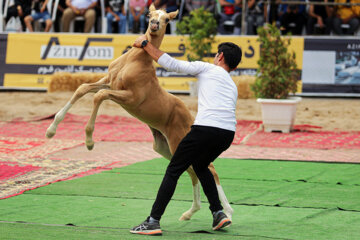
(201, 29)
(276, 79)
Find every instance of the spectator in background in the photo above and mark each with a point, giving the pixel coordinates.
(230, 11)
(346, 15)
(137, 16)
(257, 14)
(169, 5)
(19, 8)
(115, 10)
(59, 13)
(76, 8)
(292, 18)
(321, 17)
(209, 5)
(40, 12)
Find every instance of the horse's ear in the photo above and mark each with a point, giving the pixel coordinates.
(173, 15)
(152, 7)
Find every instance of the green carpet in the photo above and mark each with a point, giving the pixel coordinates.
(271, 199)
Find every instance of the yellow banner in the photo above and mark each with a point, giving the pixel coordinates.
(100, 50)
(35, 57)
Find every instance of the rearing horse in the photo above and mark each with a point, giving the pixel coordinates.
(132, 83)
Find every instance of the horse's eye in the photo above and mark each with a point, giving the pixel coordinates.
(167, 20)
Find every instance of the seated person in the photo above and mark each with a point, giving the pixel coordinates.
(230, 11)
(19, 8)
(321, 16)
(292, 18)
(256, 16)
(59, 13)
(209, 5)
(346, 15)
(41, 12)
(115, 10)
(76, 8)
(137, 16)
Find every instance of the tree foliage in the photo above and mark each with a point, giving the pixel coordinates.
(201, 27)
(277, 74)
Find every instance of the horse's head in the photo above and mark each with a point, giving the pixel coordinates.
(158, 19)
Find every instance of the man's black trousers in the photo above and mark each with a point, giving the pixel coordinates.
(201, 146)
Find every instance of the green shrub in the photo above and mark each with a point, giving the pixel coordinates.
(201, 27)
(277, 74)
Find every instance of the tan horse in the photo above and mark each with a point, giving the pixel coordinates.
(132, 83)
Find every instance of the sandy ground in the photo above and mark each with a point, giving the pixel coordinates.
(328, 113)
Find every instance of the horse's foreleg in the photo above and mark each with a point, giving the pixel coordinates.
(80, 92)
(226, 205)
(118, 96)
(196, 196)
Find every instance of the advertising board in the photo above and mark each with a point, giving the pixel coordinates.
(29, 60)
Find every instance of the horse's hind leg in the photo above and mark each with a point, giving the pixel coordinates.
(196, 205)
(226, 205)
(196, 193)
(80, 92)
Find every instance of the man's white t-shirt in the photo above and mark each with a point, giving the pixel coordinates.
(80, 4)
(217, 92)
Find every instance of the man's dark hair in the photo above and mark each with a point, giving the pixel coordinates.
(232, 54)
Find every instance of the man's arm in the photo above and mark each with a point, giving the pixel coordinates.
(172, 64)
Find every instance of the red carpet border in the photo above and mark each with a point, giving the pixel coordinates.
(125, 129)
(28, 160)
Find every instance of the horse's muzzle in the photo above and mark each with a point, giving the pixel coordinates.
(154, 26)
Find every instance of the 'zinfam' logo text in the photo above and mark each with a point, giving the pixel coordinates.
(55, 50)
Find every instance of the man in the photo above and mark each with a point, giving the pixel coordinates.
(18, 8)
(321, 16)
(346, 15)
(211, 134)
(256, 16)
(230, 11)
(40, 12)
(76, 8)
(137, 16)
(209, 5)
(115, 10)
(292, 18)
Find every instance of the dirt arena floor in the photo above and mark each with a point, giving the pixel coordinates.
(334, 114)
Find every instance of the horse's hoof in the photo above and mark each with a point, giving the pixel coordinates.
(90, 146)
(49, 133)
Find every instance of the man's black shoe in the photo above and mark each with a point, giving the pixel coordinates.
(220, 220)
(147, 228)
